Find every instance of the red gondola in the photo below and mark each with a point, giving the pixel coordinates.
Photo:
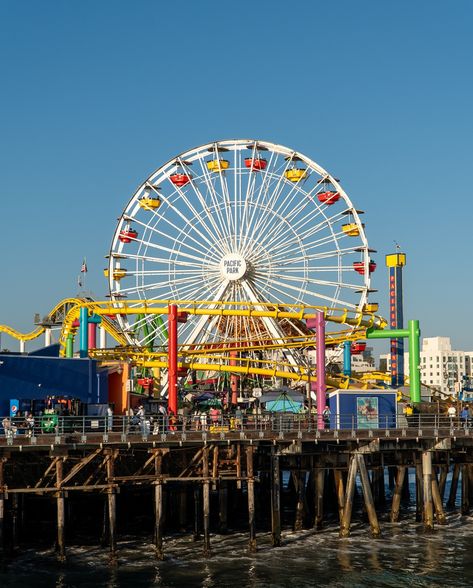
(256, 164)
(180, 180)
(145, 382)
(359, 267)
(329, 197)
(358, 347)
(126, 235)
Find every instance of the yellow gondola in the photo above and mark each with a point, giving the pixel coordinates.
(371, 307)
(351, 229)
(150, 202)
(295, 174)
(218, 165)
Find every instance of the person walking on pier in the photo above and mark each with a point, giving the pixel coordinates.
(9, 428)
(465, 415)
(326, 416)
(451, 413)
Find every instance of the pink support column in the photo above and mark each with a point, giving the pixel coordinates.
(92, 328)
(320, 385)
(172, 358)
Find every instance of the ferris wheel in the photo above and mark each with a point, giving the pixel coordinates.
(238, 221)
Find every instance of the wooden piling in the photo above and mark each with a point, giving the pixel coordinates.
(348, 500)
(197, 510)
(299, 478)
(158, 505)
(454, 486)
(396, 502)
(251, 498)
(428, 512)
(340, 492)
(61, 539)
(223, 506)
(319, 497)
(437, 500)
(419, 494)
(206, 497)
(275, 501)
(112, 507)
(14, 519)
(443, 480)
(465, 505)
(369, 503)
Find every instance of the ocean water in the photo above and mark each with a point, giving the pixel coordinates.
(404, 556)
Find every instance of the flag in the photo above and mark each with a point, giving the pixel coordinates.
(83, 269)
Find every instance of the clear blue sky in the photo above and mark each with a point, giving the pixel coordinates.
(97, 94)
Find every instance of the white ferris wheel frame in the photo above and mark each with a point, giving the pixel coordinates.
(212, 212)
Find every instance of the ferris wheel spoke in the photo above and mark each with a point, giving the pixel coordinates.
(212, 228)
(171, 250)
(333, 299)
(224, 228)
(284, 237)
(252, 196)
(161, 285)
(290, 257)
(198, 245)
(271, 203)
(261, 199)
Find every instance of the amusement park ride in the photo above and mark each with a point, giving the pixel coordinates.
(222, 264)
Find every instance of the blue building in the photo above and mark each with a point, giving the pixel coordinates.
(363, 409)
(31, 378)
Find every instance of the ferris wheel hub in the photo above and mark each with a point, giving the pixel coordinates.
(233, 267)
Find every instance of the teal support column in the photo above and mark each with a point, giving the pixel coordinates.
(414, 359)
(83, 332)
(70, 345)
(347, 358)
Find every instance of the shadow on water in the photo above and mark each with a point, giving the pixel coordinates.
(403, 556)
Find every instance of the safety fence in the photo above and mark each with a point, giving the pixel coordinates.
(147, 425)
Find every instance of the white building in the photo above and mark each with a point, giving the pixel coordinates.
(360, 363)
(441, 367)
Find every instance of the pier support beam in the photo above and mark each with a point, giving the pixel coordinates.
(338, 476)
(112, 508)
(419, 494)
(437, 500)
(319, 497)
(275, 501)
(465, 508)
(454, 486)
(396, 503)
(368, 496)
(158, 505)
(251, 498)
(206, 496)
(443, 480)
(61, 538)
(223, 506)
(348, 501)
(197, 510)
(300, 505)
(427, 490)
(15, 523)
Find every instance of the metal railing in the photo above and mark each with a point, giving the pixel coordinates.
(153, 425)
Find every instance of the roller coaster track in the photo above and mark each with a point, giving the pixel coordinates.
(64, 314)
(210, 356)
(54, 318)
